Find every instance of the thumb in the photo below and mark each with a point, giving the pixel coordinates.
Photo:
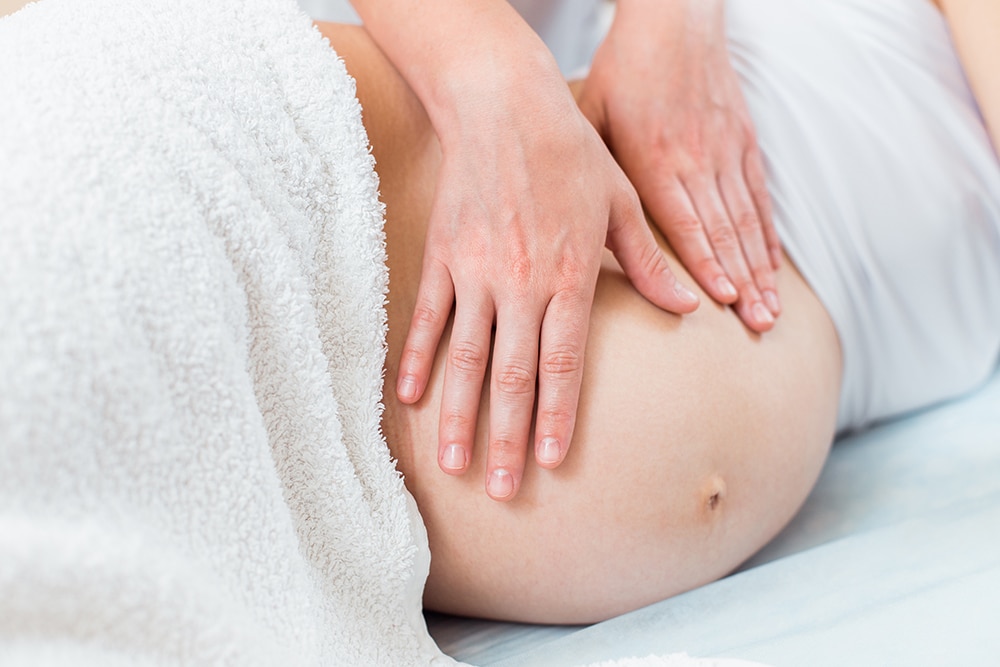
(633, 245)
(591, 104)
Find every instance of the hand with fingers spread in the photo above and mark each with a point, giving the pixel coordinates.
(663, 93)
(524, 253)
(527, 197)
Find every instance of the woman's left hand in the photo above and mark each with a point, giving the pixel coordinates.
(664, 95)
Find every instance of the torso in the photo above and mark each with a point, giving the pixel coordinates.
(886, 190)
(696, 440)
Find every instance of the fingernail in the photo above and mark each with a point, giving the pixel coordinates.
(453, 457)
(726, 288)
(685, 294)
(771, 299)
(762, 314)
(407, 388)
(500, 484)
(548, 451)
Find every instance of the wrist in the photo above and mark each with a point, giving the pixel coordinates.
(463, 58)
(493, 80)
(672, 16)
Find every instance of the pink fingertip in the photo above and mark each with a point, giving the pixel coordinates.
(773, 304)
(548, 452)
(686, 295)
(762, 315)
(453, 459)
(726, 288)
(406, 388)
(500, 484)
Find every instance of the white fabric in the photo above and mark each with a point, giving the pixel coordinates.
(886, 190)
(867, 122)
(571, 29)
(893, 560)
(191, 349)
(886, 187)
(677, 660)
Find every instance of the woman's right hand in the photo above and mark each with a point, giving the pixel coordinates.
(527, 197)
(664, 94)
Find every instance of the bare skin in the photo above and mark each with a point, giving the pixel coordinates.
(663, 93)
(528, 194)
(696, 440)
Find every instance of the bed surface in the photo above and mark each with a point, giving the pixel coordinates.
(893, 560)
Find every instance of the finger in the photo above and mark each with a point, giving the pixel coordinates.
(632, 243)
(512, 398)
(560, 374)
(756, 179)
(465, 369)
(725, 242)
(743, 214)
(673, 212)
(435, 296)
(591, 107)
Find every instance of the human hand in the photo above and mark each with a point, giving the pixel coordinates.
(527, 197)
(663, 94)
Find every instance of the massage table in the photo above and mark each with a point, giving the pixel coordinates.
(893, 560)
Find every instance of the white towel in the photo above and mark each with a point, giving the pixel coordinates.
(192, 336)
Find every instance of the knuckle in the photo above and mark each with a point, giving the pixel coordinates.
(745, 286)
(707, 268)
(761, 194)
(505, 449)
(518, 264)
(515, 380)
(468, 358)
(425, 317)
(693, 142)
(761, 269)
(571, 270)
(630, 198)
(575, 298)
(562, 361)
(414, 358)
(686, 224)
(659, 146)
(556, 417)
(722, 235)
(520, 269)
(747, 222)
(652, 261)
(456, 424)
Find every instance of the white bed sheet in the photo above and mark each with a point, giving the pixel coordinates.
(893, 560)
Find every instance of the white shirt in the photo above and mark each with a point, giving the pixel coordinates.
(572, 29)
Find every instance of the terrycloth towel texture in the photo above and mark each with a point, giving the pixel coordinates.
(191, 346)
(192, 336)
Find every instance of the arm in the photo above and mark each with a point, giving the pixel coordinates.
(666, 99)
(526, 198)
(442, 48)
(975, 27)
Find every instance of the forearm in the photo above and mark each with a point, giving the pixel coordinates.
(665, 17)
(647, 36)
(449, 49)
(975, 27)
